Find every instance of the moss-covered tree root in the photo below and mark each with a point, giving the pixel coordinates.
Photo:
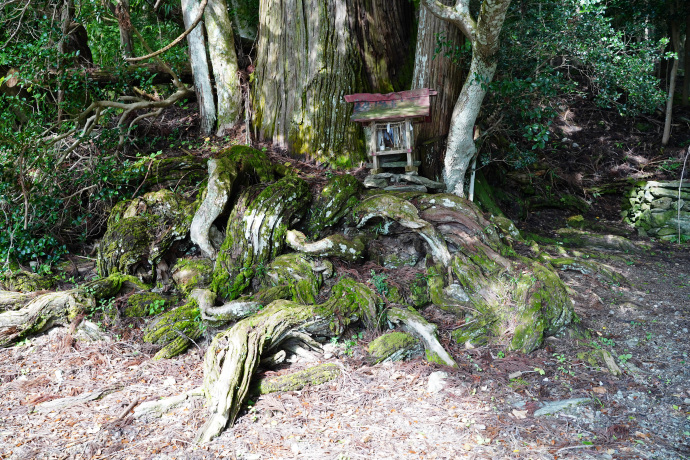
(415, 324)
(315, 375)
(256, 232)
(234, 355)
(232, 166)
(34, 314)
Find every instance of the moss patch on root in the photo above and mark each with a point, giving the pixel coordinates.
(337, 198)
(175, 330)
(392, 346)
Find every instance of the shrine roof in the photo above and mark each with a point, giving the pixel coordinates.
(392, 106)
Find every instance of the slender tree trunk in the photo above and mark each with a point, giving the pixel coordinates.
(221, 46)
(66, 20)
(197, 56)
(436, 71)
(125, 25)
(307, 62)
(686, 75)
(384, 31)
(461, 147)
(675, 39)
(483, 34)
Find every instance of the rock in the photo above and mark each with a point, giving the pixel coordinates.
(375, 182)
(90, 332)
(554, 407)
(393, 346)
(406, 188)
(336, 245)
(437, 381)
(421, 180)
(457, 293)
(403, 212)
(396, 251)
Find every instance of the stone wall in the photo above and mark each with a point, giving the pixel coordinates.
(652, 207)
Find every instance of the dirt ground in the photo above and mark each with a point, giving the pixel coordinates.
(388, 410)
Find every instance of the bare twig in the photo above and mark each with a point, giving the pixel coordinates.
(189, 30)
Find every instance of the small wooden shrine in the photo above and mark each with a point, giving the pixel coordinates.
(389, 118)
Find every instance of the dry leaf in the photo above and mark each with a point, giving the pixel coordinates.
(520, 414)
(599, 390)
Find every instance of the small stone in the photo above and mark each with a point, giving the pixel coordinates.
(456, 292)
(576, 145)
(685, 330)
(374, 182)
(557, 406)
(437, 381)
(406, 188)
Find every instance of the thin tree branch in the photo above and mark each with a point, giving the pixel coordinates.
(196, 22)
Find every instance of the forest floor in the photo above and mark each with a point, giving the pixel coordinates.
(388, 411)
(488, 408)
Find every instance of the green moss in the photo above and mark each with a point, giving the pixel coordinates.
(138, 236)
(337, 198)
(265, 217)
(191, 274)
(315, 375)
(141, 304)
(392, 346)
(175, 330)
(419, 291)
(483, 196)
(350, 299)
(433, 357)
(24, 281)
(476, 332)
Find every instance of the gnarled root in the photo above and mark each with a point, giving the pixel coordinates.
(234, 355)
(33, 314)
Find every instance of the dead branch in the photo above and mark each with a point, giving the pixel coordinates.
(178, 39)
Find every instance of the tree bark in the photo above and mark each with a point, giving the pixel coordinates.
(125, 24)
(197, 57)
(483, 35)
(307, 62)
(384, 32)
(675, 40)
(221, 47)
(443, 74)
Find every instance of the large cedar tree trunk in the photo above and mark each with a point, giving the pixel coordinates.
(307, 62)
(443, 74)
(385, 34)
